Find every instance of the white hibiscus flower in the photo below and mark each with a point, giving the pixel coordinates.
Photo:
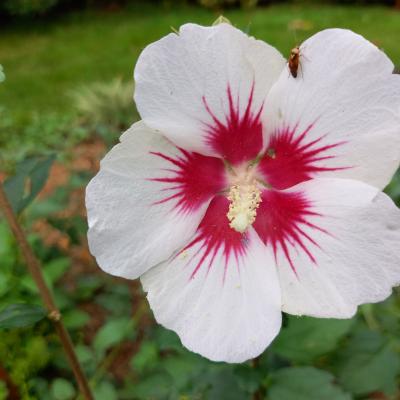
(245, 192)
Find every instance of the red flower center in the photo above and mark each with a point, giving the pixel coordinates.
(245, 185)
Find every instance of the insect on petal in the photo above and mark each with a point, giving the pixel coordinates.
(347, 90)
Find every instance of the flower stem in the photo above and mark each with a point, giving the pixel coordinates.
(54, 315)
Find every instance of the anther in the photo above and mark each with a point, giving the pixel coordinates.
(244, 201)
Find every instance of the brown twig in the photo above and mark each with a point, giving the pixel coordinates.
(54, 314)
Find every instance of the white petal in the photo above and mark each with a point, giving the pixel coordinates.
(356, 256)
(132, 224)
(221, 294)
(178, 74)
(346, 94)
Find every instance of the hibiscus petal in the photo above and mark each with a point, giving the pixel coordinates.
(205, 87)
(147, 201)
(340, 117)
(221, 293)
(341, 247)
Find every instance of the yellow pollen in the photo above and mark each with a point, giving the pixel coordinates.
(244, 201)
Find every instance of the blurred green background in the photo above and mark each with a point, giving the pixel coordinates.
(65, 101)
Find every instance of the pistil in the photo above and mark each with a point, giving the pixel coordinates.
(244, 201)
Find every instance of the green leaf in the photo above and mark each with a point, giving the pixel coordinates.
(167, 340)
(386, 315)
(29, 284)
(75, 318)
(117, 301)
(40, 387)
(56, 268)
(304, 338)
(52, 272)
(304, 383)
(248, 378)
(30, 177)
(21, 315)
(224, 385)
(156, 386)
(145, 358)
(368, 364)
(105, 391)
(113, 332)
(84, 354)
(61, 389)
(87, 285)
(184, 369)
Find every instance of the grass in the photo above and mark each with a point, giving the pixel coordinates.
(44, 61)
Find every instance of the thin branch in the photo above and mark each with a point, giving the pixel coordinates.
(54, 314)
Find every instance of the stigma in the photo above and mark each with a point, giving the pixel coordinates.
(244, 201)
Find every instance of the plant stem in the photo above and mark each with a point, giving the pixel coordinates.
(54, 314)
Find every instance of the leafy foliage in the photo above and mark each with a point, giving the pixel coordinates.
(39, 134)
(368, 363)
(305, 383)
(30, 176)
(105, 107)
(21, 315)
(112, 333)
(61, 389)
(305, 339)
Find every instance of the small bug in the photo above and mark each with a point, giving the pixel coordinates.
(294, 61)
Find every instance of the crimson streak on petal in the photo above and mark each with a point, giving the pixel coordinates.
(281, 219)
(291, 158)
(192, 179)
(239, 137)
(214, 237)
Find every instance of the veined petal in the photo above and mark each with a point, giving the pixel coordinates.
(220, 293)
(205, 89)
(340, 249)
(147, 201)
(340, 117)
(280, 222)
